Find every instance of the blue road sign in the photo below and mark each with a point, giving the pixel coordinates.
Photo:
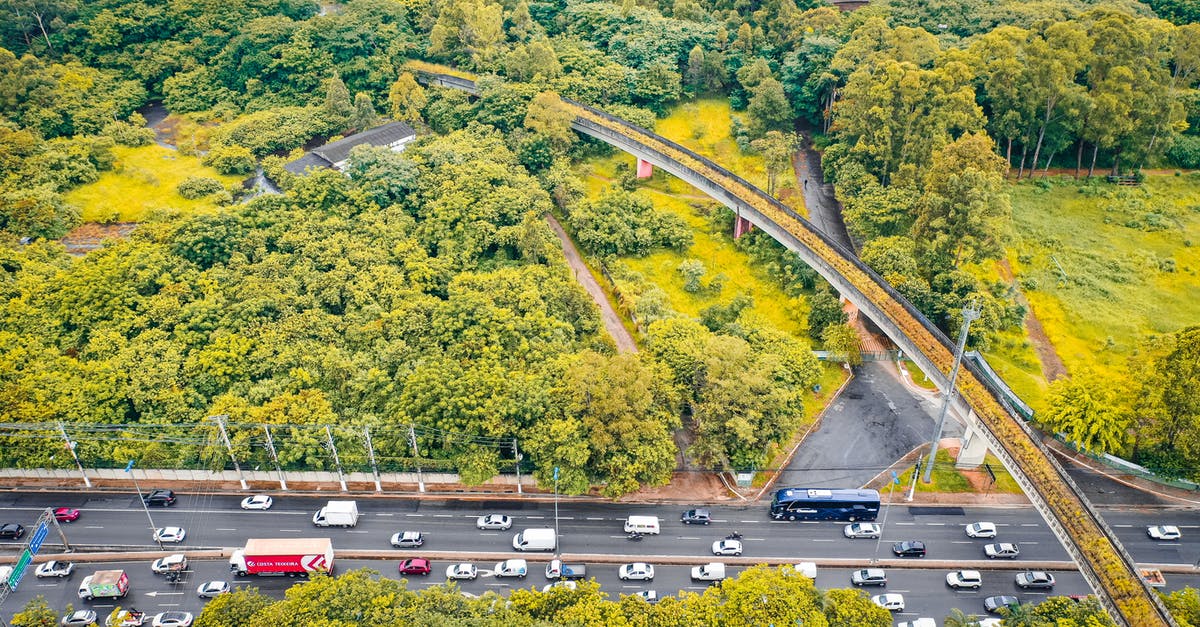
(39, 536)
(895, 478)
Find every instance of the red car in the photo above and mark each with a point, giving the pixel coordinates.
(66, 514)
(415, 566)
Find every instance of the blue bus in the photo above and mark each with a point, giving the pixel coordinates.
(825, 504)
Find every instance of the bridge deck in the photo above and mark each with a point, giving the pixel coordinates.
(1103, 561)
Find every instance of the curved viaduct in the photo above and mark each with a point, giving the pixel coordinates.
(1104, 563)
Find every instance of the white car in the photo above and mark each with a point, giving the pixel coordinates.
(79, 617)
(920, 622)
(891, 601)
(964, 579)
(461, 571)
(55, 568)
(1164, 532)
(212, 589)
(638, 570)
(567, 584)
(981, 530)
(170, 534)
(861, 530)
(727, 547)
(173, 619)
(1004, 549)
(169, 563)
(649, 596)
(407, 539)
(494, 521)
(258, 501)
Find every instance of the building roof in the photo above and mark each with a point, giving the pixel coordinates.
(309, 160)
(385, 135)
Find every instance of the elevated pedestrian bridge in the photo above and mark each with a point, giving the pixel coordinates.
(1104, 563)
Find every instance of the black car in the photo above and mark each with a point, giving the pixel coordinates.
(11, 531)
(909, 548)
(695, 517)
(160, 497)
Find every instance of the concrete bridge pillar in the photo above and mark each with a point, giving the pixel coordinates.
(974, 448)
(645, 169)
(741, 226)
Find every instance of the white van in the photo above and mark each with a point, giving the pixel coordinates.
(642, 524)
(535, 540)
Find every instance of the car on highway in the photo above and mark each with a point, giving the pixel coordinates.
(11, 531)
(258, 501)
(172, 619)
(697, 516)
(55, 568)
(991, 621)
(79, 617)
(170, 534)
(163, 498)
(126, 618)
(1035, 579)
(1002, 550)
(891, 601)
(1164, 532)
(920, 622)
(407, 539)
(964, 579)
(981, 530)
(515, 567)
(494, 521)
(861, 530)
(567, 584)
(212, 589)
(727, 547)
(66, 514)
(462, 571)
(169, 563)
(997, 603)
(649, 596)
(415, 566)
(639, 571)
(869, 577)
(909, 548)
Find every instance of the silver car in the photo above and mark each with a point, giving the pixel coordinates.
(55, 568)
(494, 521)
(861, 530)
(212, 589)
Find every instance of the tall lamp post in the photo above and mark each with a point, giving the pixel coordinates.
(886, 508)
(970, 313)
(557, 542)
(146, 508)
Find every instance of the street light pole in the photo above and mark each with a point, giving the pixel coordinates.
(970, 313)
(153, 529)
(557, 542)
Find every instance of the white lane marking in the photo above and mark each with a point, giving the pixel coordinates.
(489, 534)
(780, 522)
(415, 515)
(809, 522)
(594, 518)
(448, 516)
(687, 538)
(291, 530)
(1029, 542)
(535, 517)
(822, 540)
(632, 587)
(566, 518)
(961, 542)
(903, 524)
(385, 514)
(226, 529)
(496, 584)
(755, 539)
(695, 588)
(97, 605)
(1030, 525)
(356, 531)
(1124, 526)
(748, 521)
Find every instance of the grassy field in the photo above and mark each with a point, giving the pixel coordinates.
(1129, 260)
(143, 180)
(946, 478)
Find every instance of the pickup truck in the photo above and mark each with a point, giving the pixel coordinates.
(556, 569)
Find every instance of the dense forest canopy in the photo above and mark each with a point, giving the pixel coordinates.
(426, 289)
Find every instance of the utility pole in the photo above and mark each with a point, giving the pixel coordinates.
(275, 457)
(146, 508)
(220, 420)
(412, 439)
(371, 456)
(517, 455)
(970, 313)
(336, 462)
(71, 447)
(557, 540)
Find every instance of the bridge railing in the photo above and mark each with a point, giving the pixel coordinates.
(1102, 560)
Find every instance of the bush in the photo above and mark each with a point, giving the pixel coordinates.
(620, 223)
(1186, 152)
(194, 187)
(129, 133)
(230, 159)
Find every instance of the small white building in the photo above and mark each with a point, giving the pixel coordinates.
(393, 135)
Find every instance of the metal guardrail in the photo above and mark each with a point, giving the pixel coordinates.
(1138, 603)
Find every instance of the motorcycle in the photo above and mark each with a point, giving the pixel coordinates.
(734, 536)
(635, 536)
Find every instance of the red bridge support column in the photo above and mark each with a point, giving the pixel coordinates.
(645, 169)
(741, 226)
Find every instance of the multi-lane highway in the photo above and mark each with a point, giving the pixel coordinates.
(117, 522)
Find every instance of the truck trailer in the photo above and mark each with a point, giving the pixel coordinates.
(104, 584)
(294, 557)
(337, 514)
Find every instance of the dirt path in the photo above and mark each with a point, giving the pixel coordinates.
(612, 321)
(1053, 367)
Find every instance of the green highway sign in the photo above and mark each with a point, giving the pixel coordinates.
(19, 569)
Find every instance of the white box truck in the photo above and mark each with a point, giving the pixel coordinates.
(294, 557)
(642, 524)
(337, 514)
(535, 540)
(713, 571)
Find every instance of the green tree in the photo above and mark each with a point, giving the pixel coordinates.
(548, 118)
(1088, 410)
(235, 609)
(364, 116)
(769, 108)
(407, 99)
(825, 309)
(230, 159)
(843, 343)
(656, 87)
(337, 109)
(1184, 605)
(777, 150)
(35, 613)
